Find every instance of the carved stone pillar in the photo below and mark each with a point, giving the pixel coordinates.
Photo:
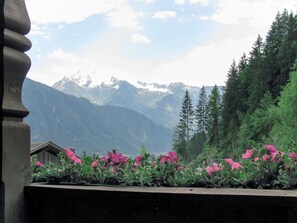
(15, 135)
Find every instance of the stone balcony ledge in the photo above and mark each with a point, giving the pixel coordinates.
(71, 203)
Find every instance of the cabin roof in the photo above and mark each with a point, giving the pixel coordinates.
(48, 146)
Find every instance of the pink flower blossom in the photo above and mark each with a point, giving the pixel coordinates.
(266, 157)
(77, 160)
(38, 164)
(248, 154)
(114, 158)
(292, 155)
(229, 161)
(271, 149)
(171, 157)
(138, 160)
(214, 168)
(163, 159)
(104, 159)
(94, 163)
(71, 156)
(236, 166)
(208, 170)
(256, 159)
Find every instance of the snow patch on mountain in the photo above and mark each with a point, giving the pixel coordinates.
(152, 87)
(113, 83)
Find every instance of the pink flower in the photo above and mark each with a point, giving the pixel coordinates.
(94, 163)
(104, 159)
(138, 160)
(171, 157)
(77, 160)
(266, 157)
(114, 158)
(292, 155)
(236, 166)
(248, 154)
(256, 159)
(71, 156)
(271, 149)
(229, 161)
(38, 164)
(214, 168)
(164, 159)
(274, 158)
(208, 170)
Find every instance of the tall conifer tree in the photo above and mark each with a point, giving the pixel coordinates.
(214, 105)
(184, 127)
(201, 112)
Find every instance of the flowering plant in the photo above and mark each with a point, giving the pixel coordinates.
(265, 167)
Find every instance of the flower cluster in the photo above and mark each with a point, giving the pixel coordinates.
(138, 160)
(265, 167)
(114, 158)
(171, 157)
(212, 169)
(71, 156)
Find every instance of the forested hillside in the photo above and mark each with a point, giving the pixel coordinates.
(259, 103)
(75, 122)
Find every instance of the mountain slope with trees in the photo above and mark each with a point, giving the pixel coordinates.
(71, 121)
(258, 104)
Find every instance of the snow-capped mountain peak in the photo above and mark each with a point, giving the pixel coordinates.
(82, 79)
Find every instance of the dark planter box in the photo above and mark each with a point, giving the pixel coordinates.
(97, 204)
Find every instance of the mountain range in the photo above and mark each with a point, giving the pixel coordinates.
(159, 102)
(70, 121)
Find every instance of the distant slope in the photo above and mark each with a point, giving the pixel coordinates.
(160, 103)
(71, 121)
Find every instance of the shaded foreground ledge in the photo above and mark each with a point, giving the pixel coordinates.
(66, 203)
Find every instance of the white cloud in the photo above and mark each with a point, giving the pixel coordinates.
(202, 2)
(124, 17)
(258, 13)
(140, 38)
(180, 2)
(119, 13)
(206, 65)
(149, 1)
(66, 11)
(163, 15)
(35, 30)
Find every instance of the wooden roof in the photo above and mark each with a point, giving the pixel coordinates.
(48, 146)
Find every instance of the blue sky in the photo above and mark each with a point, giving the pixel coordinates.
(164, 41)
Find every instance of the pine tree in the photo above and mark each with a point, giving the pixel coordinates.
(230, 107)
(184, 127)
(258, 85)
(214, 106)
(201, 112)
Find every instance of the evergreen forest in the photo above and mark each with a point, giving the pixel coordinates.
(257, 105)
